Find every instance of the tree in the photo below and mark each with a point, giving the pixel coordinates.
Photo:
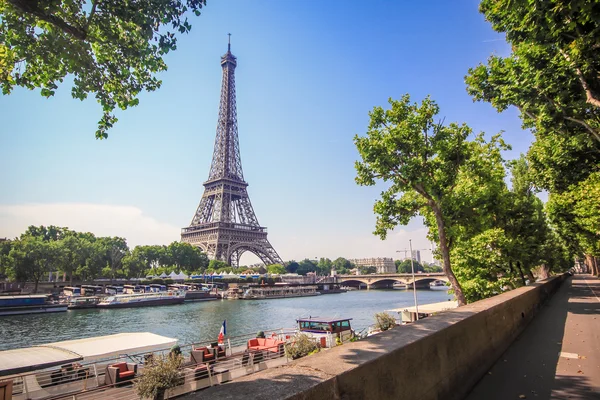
(552, 75)
(115, 249)
(33, 258)
(305, 266)
(404, 266)
(367, 270)
(342, 266)
(186, 257)
(324, 266)
(276, 269)
(217, 264)
(422, 161)
(133, 265)
(112, 49)
(292, 267)
(76, 252)
(5, 247)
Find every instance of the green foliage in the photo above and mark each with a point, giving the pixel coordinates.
(276, 269)
(85, 256)
(342, 266)
(217, 264)
(161, 373)
(305, 266)
(291, 266)
(430, 169)
(404, 266)
(112, 49)
(324, 266)
(384, 321)
(552, 78)
(301, 345)
(552, 74)
(367, 270)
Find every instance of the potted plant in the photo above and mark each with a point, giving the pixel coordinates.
(160, 374)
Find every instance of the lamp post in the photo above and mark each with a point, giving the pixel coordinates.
(412, 267)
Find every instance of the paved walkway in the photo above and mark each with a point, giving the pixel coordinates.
(558, 355)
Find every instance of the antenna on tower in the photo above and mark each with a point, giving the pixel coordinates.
(229, 42)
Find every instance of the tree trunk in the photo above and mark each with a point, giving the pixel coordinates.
(35, 287)
(530, 275)
(446, 254)
(521, 273)
(595, 260)
(589, 261)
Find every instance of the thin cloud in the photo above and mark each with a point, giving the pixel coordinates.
(101, 219)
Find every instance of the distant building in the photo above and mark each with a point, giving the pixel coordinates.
(416, 255)
(384, 265)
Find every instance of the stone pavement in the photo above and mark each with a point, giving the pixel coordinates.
(558, 355)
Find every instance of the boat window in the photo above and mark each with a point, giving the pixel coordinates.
(345, 324)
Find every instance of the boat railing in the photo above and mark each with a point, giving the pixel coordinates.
(79, 380)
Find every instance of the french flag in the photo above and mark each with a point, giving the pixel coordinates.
(223, 332)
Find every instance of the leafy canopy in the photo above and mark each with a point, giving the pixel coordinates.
(111, 48)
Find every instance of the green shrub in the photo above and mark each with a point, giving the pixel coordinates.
(160, 374)
(384, 321)
(301, 345)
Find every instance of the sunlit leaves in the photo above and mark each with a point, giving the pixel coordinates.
(112, 49)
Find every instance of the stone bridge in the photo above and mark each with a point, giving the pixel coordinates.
(387, 280)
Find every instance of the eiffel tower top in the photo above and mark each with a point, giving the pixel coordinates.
(226, 161)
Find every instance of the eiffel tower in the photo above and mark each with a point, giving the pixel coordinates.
(225, 225)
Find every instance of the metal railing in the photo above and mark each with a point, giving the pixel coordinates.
(86, 381)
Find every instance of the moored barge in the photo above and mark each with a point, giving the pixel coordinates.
(143, 299)
(29, 304)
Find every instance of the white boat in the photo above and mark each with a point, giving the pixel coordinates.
(328, 332)
(400, 286)
(278, 292)
(143, 299)
(438, 285)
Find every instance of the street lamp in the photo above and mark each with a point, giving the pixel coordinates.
(412, 267)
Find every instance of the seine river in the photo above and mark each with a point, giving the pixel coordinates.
(200, 321)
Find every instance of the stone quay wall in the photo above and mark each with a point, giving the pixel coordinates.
(441, 357)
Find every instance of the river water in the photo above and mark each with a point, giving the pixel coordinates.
(200, 321)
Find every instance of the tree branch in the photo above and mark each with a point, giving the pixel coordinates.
(590, 98)
(89, 20)
(31, 7)
(586, 126)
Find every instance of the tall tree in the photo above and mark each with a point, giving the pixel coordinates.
(276, 269)
(422, 162)
(341, 265)
(553, 73)
(33, 258)
(324, 266)
(112, 49)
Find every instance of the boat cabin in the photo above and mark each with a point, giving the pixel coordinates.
(91, 290)
(324, 325)
(23, 300)
(131, 289)
(110, 289)
(179, 286)
(155, 287)
(71, 291)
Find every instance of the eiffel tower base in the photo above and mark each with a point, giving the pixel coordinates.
(227, 242)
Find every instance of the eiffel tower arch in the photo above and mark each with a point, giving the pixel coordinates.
(225, 225)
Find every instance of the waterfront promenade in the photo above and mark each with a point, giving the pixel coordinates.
(558, 355)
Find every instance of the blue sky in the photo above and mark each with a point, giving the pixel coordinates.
(308, 73)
